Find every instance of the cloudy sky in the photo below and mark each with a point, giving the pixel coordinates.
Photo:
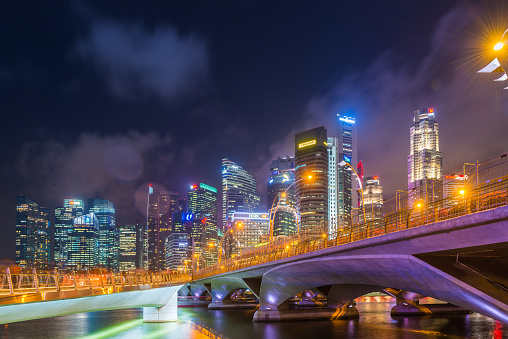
(98, 99)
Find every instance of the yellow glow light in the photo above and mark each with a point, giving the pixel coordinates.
(309, 177)
(498, 46)
(307, 143)
(462, 192)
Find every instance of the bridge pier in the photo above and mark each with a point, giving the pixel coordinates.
(221, 291)
(163, 314)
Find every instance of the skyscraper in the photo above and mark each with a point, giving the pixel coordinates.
(311, 159)
(281, 191)
(373, 198)
(178, 251)
(239, 193)
(32, 234)
(246, 231)
(425, 161)
(347, 189)
(127, 248)
(332, 185)
(83, 242)
(104, 210)
(202, 202)
(64, 223)
(161, 207)
(141, 245)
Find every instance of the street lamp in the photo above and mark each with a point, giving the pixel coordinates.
(495, 65)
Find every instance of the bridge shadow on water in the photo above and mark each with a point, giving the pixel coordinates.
(199, 322)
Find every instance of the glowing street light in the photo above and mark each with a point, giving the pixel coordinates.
(495, 65)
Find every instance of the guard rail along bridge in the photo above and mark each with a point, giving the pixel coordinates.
(454, 250)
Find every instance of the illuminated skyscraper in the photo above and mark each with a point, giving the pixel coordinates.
(347, 187)
(178, 251)
(332, 185)
(64, 223)
(202, 203)
(281, 191)
(245, 232)
(141, 245)
(32, 234)
(373, 198)
(239, 193)
(104, 210)
(127, 248)
(425, 161)
(83, 242)
(311, 159)
(161, 207)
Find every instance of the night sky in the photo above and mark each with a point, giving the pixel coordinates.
(100, 98)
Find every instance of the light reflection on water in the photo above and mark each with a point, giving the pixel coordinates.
(375, 322)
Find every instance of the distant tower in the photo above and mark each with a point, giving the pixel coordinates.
(332, 185)
(64, 223)
(239, 192)
(84, 242)
(373, 196)
(281, 177)
(203, 204)
(127, 247)
(32, 234)
(161, 207)
(105, 212)
(347, 194)
(311, 158)
(425, 161)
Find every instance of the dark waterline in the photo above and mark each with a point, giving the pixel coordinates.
(375, 322)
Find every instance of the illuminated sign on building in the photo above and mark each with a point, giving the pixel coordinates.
(347, 120)
(347, 159)
(307, 143)
(207, 187)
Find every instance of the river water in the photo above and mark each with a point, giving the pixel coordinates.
(198, 322)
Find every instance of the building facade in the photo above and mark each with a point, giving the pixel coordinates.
(311, 159)
(347, 188)
(32, 234)
(281, 196)
(83, 242)
(239, 192)
(178, 252)
(332, 185)
(202, 203)
(105, 212)
(246, 231)
(64, 223)
(425, 160)
(373, 199)
(161, 208)
(127, 249)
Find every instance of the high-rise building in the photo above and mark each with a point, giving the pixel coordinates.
(83, 242)
(239, 193)
(281, 193)
(202, 203)
(141, 245)
(311, 159)
(178, 252)
(425, 161)
(161, 207)
(373, 198)
(32, 234)
(64, 223)
(104, 210)
(347, 189)
(332, 185)
(127, 247)
(245, 232)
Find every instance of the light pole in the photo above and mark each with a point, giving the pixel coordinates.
(273, 210)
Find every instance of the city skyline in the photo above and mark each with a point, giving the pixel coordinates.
(110, 142)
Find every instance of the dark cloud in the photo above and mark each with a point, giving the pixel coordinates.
(138, 62)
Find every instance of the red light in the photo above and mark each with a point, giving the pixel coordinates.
(149, 185)
(431, 110)
(375, 178)
(72, 202)
(195, 186)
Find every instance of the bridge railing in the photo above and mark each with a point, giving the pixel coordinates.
(490, 195)
(24, 280)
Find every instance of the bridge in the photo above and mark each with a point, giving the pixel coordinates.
(454, 250)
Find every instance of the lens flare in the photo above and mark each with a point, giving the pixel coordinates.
(498, 46)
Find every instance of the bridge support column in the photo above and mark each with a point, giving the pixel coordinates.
(162, 314)
(221, 291)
